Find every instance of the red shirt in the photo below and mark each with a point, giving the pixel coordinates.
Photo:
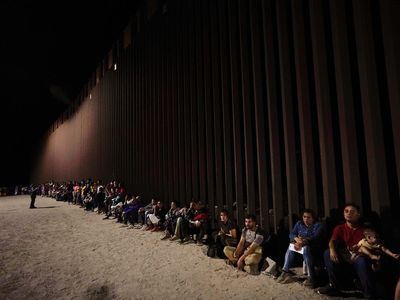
(347, 236)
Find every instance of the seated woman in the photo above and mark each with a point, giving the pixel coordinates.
(304, 238)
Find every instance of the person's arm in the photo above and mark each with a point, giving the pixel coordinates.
(390, 253)
(332, 248)
(364, 250)
(239, 248)
(294, 232)
(232, 233)
(316, 235)
(332, 251)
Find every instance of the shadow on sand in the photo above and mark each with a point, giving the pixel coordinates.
(37, 207)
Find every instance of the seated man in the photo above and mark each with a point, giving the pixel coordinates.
(304, 238)
(199, 225)
(143, 212)
(130, 213)
(170, 220)
(338, 258)
(227, 234)
(248, 253)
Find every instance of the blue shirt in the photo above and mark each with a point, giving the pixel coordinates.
(309, 234)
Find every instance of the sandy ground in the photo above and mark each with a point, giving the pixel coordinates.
(62, 252)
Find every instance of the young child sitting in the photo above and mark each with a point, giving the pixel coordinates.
(370, 246)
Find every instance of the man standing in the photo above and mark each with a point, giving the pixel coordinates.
(33, 196)
(248, 253)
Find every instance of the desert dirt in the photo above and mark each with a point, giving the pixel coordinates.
(60, 251)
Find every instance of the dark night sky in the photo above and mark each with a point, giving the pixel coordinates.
(47, 53)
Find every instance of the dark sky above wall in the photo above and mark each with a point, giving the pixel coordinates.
(48, 52)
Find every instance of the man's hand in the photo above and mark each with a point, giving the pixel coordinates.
(298, 246)
(333, 255)
(298, 239)
(240, 263)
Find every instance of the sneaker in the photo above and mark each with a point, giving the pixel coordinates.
(285, 277)
(165, 237)
(174, 238)
(309, 283)
(230, 263)
(329, 290)
(185, 240)
(251, 269)
(199, 243)
(289, 278)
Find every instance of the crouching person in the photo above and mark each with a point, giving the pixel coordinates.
(248, 253)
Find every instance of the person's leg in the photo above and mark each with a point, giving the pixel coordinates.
(184, 230)
(397, 292)
(332, 270)
(140, 216)
(252, 259)
(177, 233)
(228, 251)
(362, 267)
(308, 259)
(289, 260)
(32, 202)
(251, 263)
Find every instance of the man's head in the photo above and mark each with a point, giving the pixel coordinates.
(250, 222)
(309, 217)
(224, 216)
(173, 205)
(351, 213)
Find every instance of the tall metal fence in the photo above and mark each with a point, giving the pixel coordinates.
(264, 107)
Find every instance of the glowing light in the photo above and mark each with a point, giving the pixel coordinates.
(115, 67)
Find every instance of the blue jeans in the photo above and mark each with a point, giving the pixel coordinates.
(308, 259)
(362, 268)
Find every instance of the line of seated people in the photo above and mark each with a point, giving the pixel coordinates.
(354, 256)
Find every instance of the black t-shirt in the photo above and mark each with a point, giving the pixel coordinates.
(226, 228)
